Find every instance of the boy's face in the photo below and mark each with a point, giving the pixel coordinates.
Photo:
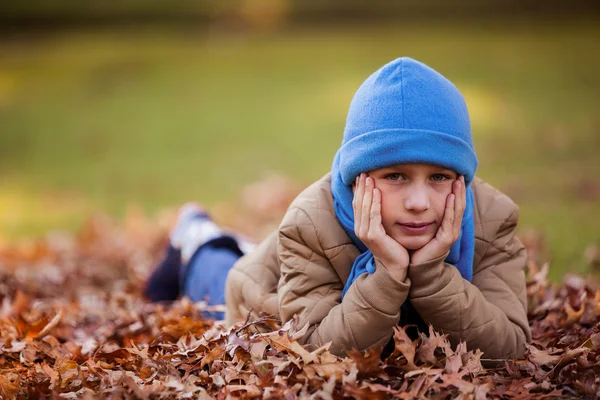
(413, 200)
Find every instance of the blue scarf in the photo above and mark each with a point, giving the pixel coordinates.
(461, 253)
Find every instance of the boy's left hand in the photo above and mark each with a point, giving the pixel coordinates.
(449, 230)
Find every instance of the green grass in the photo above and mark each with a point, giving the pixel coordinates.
(106, 119)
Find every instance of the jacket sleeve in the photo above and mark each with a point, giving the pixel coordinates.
(310, 287)
(251, 285)
(488, 313)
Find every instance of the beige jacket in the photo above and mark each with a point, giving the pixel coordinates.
(302, 268)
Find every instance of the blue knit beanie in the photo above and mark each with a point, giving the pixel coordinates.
(405, 112)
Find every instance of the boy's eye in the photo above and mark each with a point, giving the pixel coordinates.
(394, 176)
(439, 177)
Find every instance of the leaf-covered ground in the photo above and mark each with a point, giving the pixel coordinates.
(75, 325)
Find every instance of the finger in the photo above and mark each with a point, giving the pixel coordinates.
(460, 189)
(447, 227)
(463, 206)
(463, 194)
(366, 206)
(375, 224)
(458, 216)
(459, 203)
(357, 202)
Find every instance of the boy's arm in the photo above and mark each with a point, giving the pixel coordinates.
(251, 286)
(490, 312)
(310, 287)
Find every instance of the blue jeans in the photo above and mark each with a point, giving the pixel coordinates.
(203, 277)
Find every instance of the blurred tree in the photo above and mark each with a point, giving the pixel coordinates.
(250, 15)
(269, 14)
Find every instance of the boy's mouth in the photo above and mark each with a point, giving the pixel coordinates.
(415, 227)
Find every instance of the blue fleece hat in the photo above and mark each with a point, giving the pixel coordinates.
(406, 112)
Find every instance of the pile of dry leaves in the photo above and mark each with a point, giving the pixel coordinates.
(75, 325)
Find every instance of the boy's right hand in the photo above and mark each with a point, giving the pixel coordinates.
(369, 229)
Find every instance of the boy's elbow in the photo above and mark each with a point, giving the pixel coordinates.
(233, 298)
(523, 339)
(513, 346)
(520, 341)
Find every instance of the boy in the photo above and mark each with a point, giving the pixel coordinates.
(400, 232)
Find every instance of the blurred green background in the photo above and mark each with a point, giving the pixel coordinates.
(144, 104)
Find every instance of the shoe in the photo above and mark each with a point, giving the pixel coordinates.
(164, 282)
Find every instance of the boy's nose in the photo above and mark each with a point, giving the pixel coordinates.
(417, 200)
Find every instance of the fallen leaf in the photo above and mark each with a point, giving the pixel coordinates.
(404, 346)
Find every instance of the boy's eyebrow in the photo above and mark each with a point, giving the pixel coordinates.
(444, 169)
(436, 168)
(391, 168)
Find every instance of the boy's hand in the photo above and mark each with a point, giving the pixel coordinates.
(368, 228)
(449, 230)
